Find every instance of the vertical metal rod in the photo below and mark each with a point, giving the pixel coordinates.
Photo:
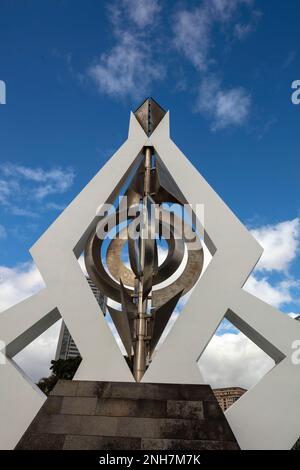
(140, 353)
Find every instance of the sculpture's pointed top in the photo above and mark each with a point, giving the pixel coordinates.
(149, 114)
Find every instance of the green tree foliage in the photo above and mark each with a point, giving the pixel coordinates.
(61, 369)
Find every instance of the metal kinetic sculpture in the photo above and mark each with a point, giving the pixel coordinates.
(256, 418)
(145, 311)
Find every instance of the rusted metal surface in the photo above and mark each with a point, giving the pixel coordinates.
(149, 115)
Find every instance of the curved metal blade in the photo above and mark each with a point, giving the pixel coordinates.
(150, 250)
(161, 317)
(129, 308)
(134, 253)
(121, 323)
(164, 185)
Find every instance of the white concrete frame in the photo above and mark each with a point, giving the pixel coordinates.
(266, 417)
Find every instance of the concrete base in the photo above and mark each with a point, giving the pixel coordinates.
(83, 415)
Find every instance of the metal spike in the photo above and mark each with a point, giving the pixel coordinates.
(161, 317)
(166, 188)
(129, 308)
(123, 328)
(150, 251)
(134, 254)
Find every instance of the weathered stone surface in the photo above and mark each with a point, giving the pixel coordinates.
(185, 409)
(52, 405)
(185, 444)
(65, 388)
(212, 410)
(101, 443)
(78, 405)
(89, 389)
(123, 427)
(127, 416)
(41, 442)
(131, 408)
(133, 391)
(133, 427)
(155, 391)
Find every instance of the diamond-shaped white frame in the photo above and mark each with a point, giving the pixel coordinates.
(266, 417)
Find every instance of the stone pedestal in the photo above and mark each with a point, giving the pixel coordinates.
(128, 416)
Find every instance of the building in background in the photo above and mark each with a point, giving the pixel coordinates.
(66, 347)
(227, 396)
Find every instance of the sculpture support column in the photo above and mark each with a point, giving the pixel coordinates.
(140, 356)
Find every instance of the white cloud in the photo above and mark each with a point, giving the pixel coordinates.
(23, 189)
(293, 315)
(276, 295)
(35, 359)
(233, 360)
(55, 207)
(127, 70)
(53, 181)
(225, 107)
(281, 245)
(223, 10)
(142, 12)
(20, 211)
(193, 28)
(242, 30)
(18, 283)
(192, 35)
(4, 191)
(289, 59)
(129, 67)
(3, 233)
(193, 31)
(265, 127)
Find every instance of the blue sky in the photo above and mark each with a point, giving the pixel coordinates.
(224, 68)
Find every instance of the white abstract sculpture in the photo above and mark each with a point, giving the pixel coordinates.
(266, 417)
